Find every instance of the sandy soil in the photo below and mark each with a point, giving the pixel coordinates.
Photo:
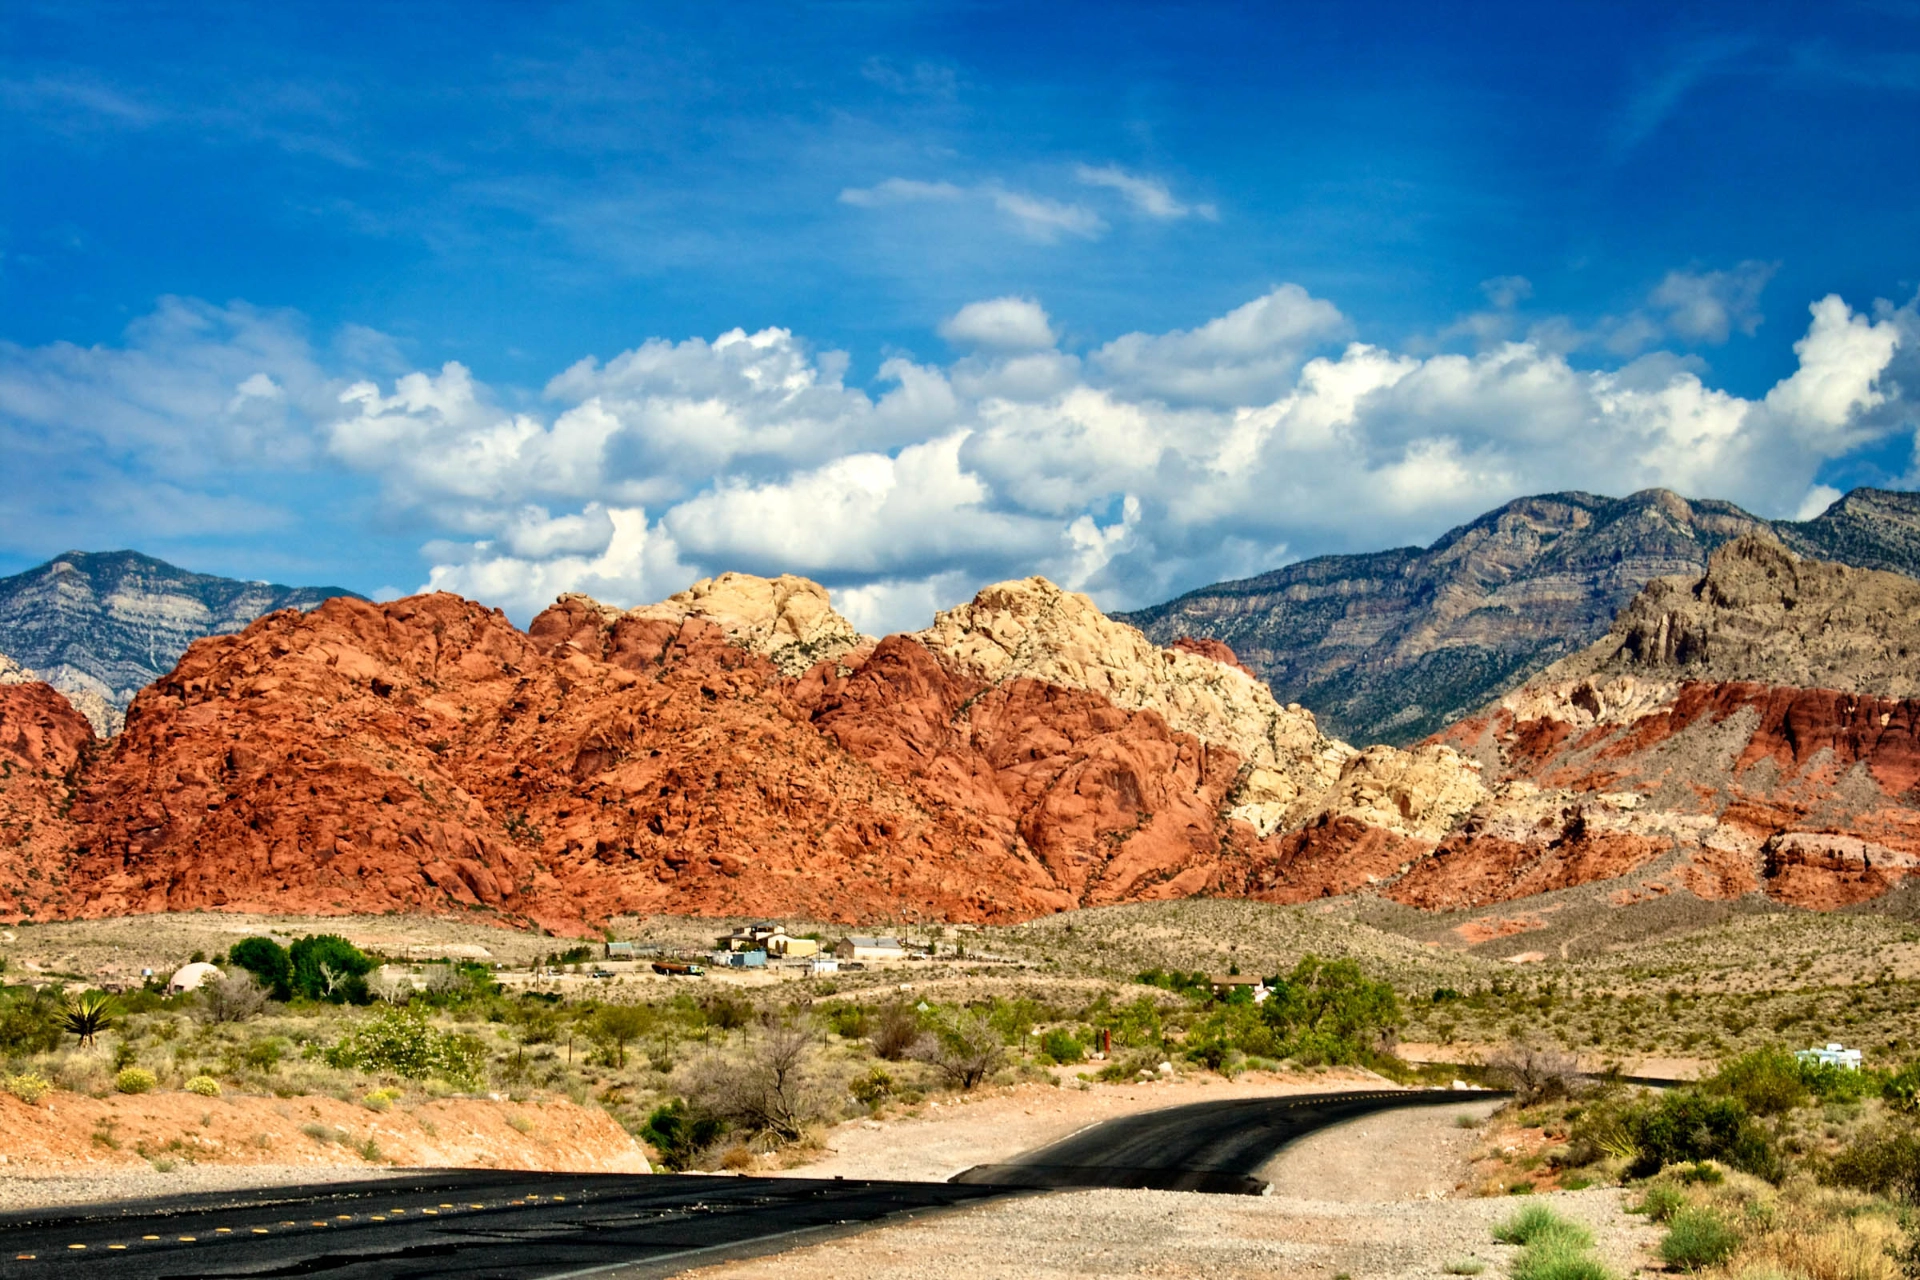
(71, 1146)
(1358, 1199)
(941, 1139)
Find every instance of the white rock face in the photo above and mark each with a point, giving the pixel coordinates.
(788, 619)
(1031, 628)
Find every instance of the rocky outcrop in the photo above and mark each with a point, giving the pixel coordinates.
(43, 742)
(1392, 646)
(788, 620)
(1750, 729)
(100, 626)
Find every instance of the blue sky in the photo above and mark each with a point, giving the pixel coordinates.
(1135, 296)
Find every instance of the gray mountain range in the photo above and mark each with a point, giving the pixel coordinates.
(1393, 645)
(101, 626)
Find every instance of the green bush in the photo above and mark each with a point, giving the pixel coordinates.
(29, 1023)
(1063, 1046)
(1767, 1082)
(403, 1042)
(205, 1086)
(1558, 1259)
(1698, 1238)
(1537, 1222)
(1661, 1201)
(325, 966)
(135, 1080)
(1902, 1090)
(679, 1134)
(268, 962)
(1685, 1126)
(1885, 1161)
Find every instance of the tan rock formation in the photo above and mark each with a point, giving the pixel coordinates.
(787, 619)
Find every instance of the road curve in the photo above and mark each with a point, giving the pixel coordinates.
(1205, 1146)
(503, 1225)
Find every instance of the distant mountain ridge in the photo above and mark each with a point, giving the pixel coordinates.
(101, 626)
(1394, 645)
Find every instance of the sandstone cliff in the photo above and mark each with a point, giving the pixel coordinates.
(737, 748)
(1749, 729)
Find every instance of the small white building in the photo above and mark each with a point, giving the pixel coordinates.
(1832, 1056)
(865, 947)
(190, 977)
(822, 964)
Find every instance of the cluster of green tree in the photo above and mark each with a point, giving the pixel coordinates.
(321, 966)
(1320, 1012)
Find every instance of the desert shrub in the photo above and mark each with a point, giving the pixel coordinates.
(679, 1133)
(1697, 1238)
(325, 966)
(619, 1025)
(1062, 1046)
(772, 1082)
(1767, 1082)
(847, 1020)
(28, 1086)
(268, 962)
(263, 1055)
(1558, 1259)
(1329, 1011)
(1688, 1126)
(86, 1015)
(381, 1099)
(401, 1041)
(1553, 1248)
(964, 1047)
(726, 1012)
(1902, 1090)
(876, 1086)
(29, 1023)
(1660, 1202)
(1884, 1160)
(1535, 1073)
(135, 1080)
(1536, 1222)
(895, 1030)
(205, 1086)
(231, 997)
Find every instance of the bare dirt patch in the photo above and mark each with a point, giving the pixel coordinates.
(71, 1145)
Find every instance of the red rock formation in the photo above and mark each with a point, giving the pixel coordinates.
(43, 741)
(426, 756)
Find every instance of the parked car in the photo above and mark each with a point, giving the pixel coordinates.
(602, 973)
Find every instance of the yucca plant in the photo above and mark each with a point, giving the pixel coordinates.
(86, 1016)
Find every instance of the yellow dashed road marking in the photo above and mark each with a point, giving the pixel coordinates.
(76, 1246)
(379, 1217)
(223, 1231)
(149, 1237)
(189, 1239)
(261, 1231)
(431, 1213)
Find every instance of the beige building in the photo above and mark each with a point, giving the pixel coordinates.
(864, 947)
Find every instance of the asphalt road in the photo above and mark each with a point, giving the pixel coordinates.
(504, 1225)
(1205, 1146)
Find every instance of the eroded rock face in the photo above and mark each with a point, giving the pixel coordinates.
(43, 742)
(1686, 750)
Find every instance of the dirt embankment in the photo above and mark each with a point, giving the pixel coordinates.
(138, 1144)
